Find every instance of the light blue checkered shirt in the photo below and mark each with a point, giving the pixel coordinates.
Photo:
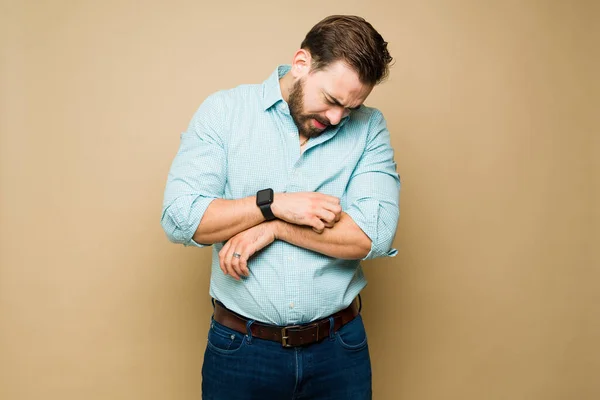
(243, 140)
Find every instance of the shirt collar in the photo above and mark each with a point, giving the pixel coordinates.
(271, 87)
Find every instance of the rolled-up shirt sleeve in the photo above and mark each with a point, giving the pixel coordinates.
(197, 175)
(373, 193)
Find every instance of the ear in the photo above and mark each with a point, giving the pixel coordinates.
(301, 64)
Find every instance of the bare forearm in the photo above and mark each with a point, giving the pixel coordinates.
(226, 218)
(345, 240)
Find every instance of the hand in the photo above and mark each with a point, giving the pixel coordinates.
(316, 210)
(245, 244)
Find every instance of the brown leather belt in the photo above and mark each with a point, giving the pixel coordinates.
(288, 336)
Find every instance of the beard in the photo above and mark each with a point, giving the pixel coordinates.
(304, 121)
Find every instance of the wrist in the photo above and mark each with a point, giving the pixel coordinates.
(276, 227)
(275, 205)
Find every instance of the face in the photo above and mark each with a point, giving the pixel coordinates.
(319, 100)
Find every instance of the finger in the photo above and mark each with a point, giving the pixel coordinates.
(222, 255)
(231, 271)
(228, 264)
(235, 263)
(333, 202)
(326, 205)
(246, 254)
(329, 224)
(333, 208)
(337, 212)
(338, 216)
(317, 225)
(326, 216)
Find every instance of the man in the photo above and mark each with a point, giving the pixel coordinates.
(293, 182)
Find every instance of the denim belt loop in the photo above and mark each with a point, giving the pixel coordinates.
(249, 331)
(331, 327)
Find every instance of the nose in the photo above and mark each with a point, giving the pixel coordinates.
(335, 114)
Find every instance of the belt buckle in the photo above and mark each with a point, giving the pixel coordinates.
(285, 337)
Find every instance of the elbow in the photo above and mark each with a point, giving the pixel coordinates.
(206, 235)
(203, 239)
(363, 249)
(358, 250)
(382, 248)
(382, 243)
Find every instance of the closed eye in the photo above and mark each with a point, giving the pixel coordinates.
(334, 102)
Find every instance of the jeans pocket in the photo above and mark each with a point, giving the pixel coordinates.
(223, 339)
(352, 336)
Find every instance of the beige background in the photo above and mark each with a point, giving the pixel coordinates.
(495, 292)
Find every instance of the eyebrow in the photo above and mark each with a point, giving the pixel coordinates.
(337, 102)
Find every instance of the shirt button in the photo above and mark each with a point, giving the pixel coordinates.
(292, 304)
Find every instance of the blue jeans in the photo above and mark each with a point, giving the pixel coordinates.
(242, 367)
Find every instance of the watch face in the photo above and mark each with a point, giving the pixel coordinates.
(264, 197)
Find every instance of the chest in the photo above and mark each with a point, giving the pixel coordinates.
(265, 153)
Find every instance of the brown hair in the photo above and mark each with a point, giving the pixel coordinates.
(350, 39)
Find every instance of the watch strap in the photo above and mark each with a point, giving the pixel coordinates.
(267, 212)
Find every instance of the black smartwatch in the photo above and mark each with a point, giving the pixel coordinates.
(264, 199)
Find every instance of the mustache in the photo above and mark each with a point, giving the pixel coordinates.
(321, 120)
